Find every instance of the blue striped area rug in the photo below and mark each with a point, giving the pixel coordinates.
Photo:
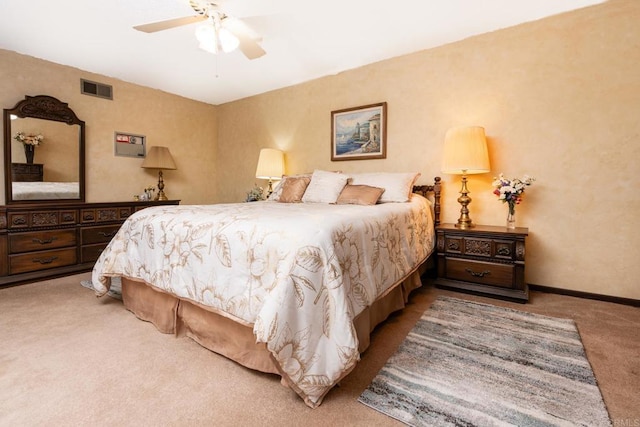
(472, 364)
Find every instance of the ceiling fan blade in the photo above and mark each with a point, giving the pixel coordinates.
(250, 48)
(171, 23)
(248, 40)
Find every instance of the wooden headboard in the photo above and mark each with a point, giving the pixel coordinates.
(424, 190)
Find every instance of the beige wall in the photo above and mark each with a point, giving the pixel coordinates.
(187, 127)
(560, 100)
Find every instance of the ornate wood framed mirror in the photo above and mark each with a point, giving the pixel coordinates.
(44, 152)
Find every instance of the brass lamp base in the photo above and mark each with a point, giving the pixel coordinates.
(464, 221)
(270, 189)
(160, 195)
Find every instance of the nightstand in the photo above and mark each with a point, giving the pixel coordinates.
(483, 259)
(29, 172)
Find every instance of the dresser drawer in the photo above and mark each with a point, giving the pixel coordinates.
(41, 240)
(42, 260)
(105, 214)
(42, 218)
(485, 273)
(91, 253)
(102, 234)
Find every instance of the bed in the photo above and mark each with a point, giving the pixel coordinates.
(290, 288)
(24, 190)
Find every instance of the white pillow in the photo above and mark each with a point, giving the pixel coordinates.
(325, 187)
(397, 186)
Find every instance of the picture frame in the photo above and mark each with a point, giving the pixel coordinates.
(359, 133)
(130, 145)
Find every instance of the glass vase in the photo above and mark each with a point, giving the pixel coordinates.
(511, 218)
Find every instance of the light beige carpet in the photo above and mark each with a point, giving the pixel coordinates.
(69, 358)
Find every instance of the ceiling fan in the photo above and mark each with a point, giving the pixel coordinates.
(219, 33)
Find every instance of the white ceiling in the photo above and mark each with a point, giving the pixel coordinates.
(304, 39)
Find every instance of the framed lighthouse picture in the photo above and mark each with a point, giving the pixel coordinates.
(359, 133)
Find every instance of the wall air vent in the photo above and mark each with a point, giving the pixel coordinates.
(100, 90)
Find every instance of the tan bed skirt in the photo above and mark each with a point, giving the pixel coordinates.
(235, 340)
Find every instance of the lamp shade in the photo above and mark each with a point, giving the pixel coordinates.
(159, 158)
(465, 151)
(270, 164)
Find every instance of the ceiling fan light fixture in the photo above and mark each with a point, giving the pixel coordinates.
(214, 39)
(206, 35)
(228, 41)
(220, 33)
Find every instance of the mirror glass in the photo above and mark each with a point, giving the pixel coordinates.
(51, 169)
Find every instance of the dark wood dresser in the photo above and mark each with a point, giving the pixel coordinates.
(27, 172)
(44, 241)
(483, 259)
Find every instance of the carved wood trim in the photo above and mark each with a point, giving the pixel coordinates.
(477, 247)
(436, 189)
(520, 249)
(47, 108)
(42, 219)
(110, 214)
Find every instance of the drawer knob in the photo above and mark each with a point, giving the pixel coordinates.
(19, 220)
(109, 234)
(45, 241)
(477, 274)
(45, 260)
(504, 251)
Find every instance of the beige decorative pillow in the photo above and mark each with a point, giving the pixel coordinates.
(293, 189)
(277, 190)
(397, 186)
(325, 187)
(359, 195)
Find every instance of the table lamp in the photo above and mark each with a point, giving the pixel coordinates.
(465, 152)
(270, 166)
(159, 158)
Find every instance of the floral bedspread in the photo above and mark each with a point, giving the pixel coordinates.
(297, 273)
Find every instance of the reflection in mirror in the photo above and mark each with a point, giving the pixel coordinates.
(53, 167)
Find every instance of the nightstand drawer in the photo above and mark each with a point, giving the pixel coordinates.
(480, 247)
(485, 273)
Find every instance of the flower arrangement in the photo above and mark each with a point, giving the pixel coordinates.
(30, 139)
(256, 194)
(510, 190)
(146, 195)
(149, 192)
